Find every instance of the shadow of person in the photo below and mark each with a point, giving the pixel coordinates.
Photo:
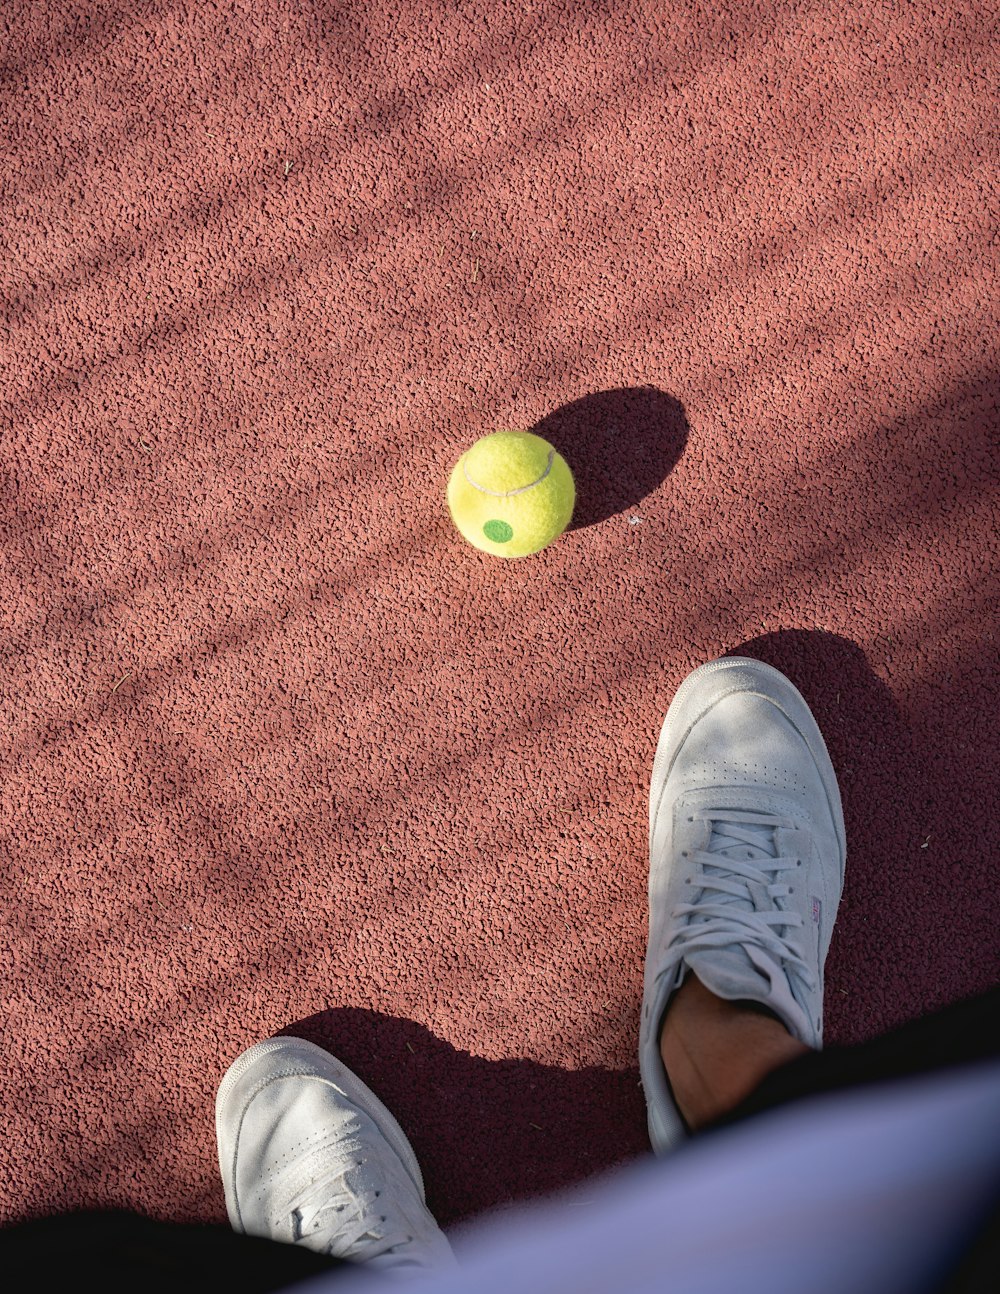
(490, 1134)
(487, 1134)
(876, 973)
(620, 446)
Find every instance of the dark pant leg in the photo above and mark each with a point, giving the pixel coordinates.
(116, 1250)
(954, 1037)
(958, 1036)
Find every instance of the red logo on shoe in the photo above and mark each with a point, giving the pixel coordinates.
(817, 909)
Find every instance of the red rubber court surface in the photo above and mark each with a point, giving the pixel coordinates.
(280, 752)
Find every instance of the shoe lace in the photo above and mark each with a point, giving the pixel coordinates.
(341, 1215)
(740, 897)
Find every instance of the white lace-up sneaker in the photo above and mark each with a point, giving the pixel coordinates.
(747, 851)
(310, 1156)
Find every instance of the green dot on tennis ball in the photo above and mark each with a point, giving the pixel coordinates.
(499, 532)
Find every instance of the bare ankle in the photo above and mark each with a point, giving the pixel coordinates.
(716, 1052)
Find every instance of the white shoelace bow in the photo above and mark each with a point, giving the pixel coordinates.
(349, 1217)
(757, 880)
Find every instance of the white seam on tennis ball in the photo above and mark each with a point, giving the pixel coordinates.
(506, 494)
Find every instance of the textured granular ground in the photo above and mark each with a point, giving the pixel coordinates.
(281, 751)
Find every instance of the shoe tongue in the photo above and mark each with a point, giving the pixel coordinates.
(760, 845)
(739, 972)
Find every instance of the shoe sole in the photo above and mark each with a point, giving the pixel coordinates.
(320, 1064)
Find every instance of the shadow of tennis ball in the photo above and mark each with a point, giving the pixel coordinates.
(620, 445)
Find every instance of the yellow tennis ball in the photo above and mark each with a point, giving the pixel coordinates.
(511, 494)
